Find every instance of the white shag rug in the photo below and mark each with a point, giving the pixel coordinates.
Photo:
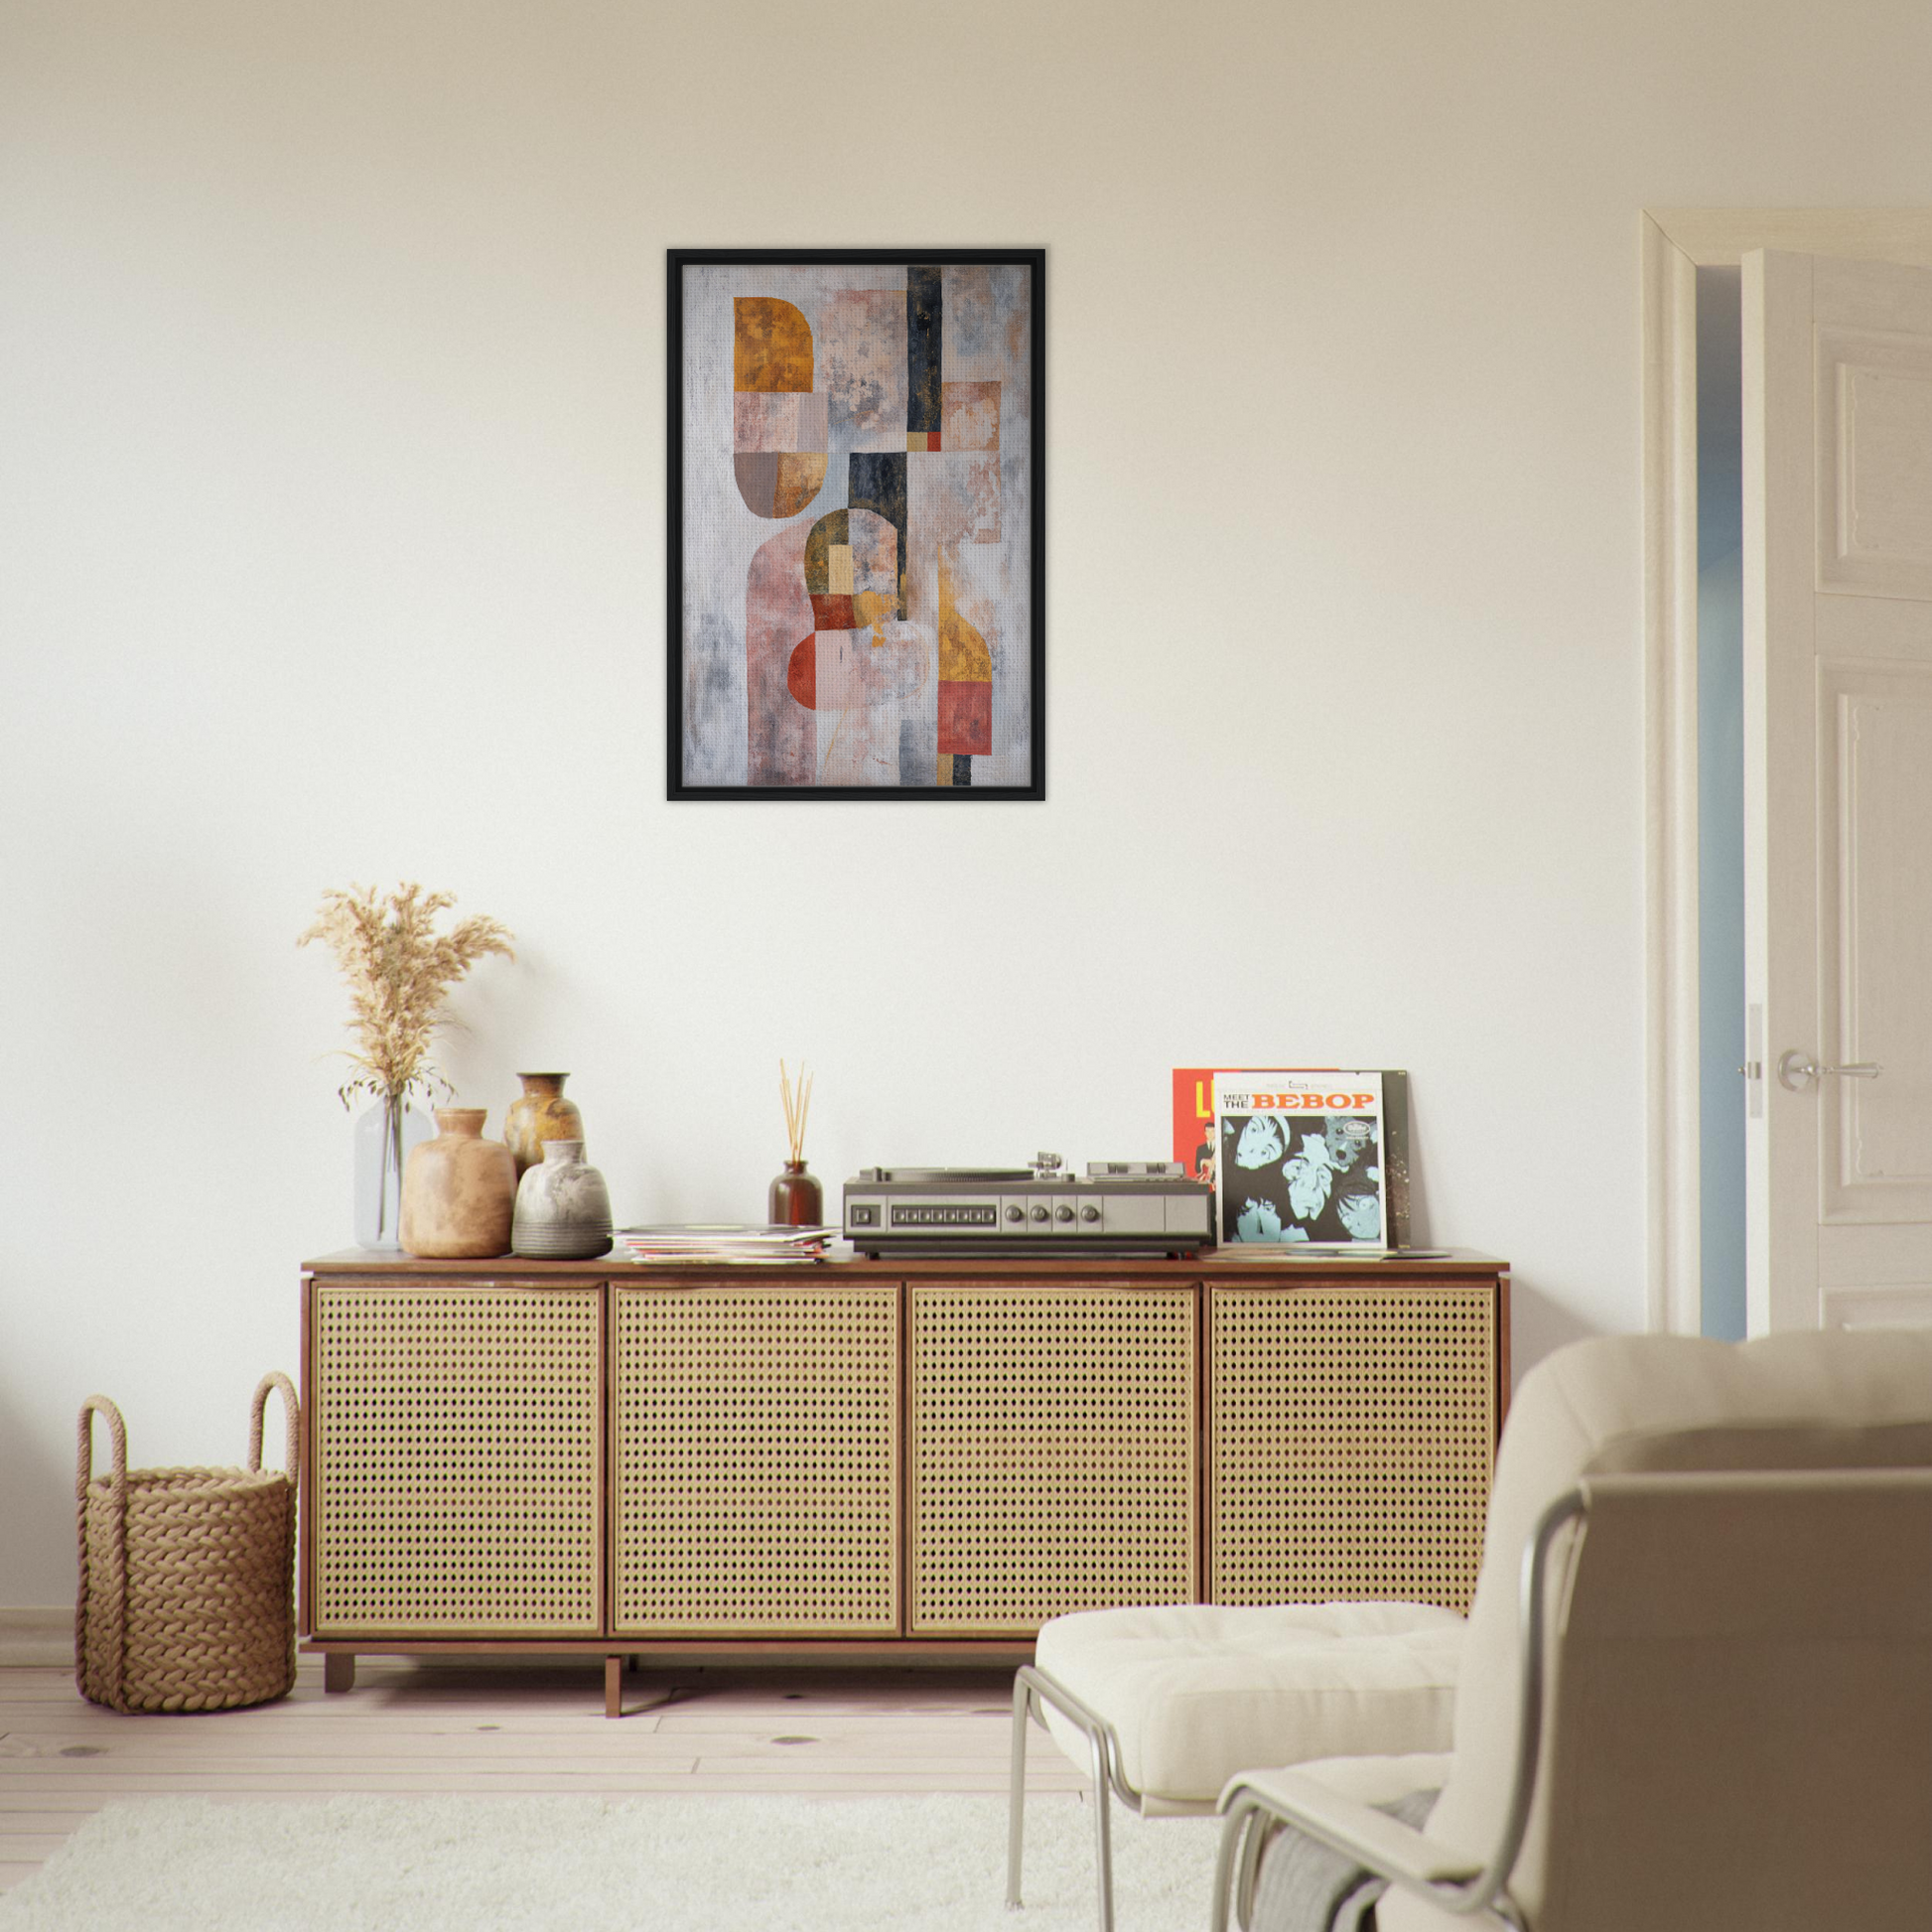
(759, 1864)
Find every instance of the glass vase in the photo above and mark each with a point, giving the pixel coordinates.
(384, 1135)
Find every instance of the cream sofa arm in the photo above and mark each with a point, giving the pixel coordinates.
(1371, 1837)
(1450, 1880)
(1259, 1800)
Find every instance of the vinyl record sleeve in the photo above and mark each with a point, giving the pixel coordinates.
(1198, 1148)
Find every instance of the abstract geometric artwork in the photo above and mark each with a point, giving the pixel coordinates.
(857, 607)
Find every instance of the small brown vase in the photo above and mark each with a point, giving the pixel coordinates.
(458, 1191)
(540, 1114)
(796, 1201)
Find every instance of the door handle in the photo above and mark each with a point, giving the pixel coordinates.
(1797, 1070)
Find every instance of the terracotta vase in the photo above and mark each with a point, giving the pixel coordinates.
(540, 1114)
(795, 1199)
(563, 1208)
(458, 1191)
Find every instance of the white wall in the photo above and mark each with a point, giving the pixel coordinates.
(332, 414)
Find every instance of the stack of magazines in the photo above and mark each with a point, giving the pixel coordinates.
(702, 1242)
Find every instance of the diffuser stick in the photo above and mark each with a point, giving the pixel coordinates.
(797, 1100)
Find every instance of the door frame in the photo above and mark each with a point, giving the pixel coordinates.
(1675, 243)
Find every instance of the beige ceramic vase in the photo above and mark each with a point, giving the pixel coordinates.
(540, 1114)
(458, 1191)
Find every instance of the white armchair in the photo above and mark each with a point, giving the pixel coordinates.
(1162, 1706)
(1697, 1683)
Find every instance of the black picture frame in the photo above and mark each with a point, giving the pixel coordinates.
(678, 261)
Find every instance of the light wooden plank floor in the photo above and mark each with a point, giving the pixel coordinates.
(509, 1728)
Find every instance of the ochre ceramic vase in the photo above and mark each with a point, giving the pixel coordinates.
(563, 1208)
(458, 1191)
(540, 1114)
(795, 1199)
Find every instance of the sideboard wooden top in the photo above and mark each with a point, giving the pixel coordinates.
(1221, 1265)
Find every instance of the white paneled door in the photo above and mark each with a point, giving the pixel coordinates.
(1838, 776)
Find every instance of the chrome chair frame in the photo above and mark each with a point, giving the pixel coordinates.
(1032, 1689)
(1253, 1816)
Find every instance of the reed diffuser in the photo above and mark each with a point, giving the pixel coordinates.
(795, 1200)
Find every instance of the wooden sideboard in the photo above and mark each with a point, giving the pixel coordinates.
(880, 1459)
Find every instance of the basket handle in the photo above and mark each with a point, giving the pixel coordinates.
(117, 1432)
(112, 1640)
(291, 1409)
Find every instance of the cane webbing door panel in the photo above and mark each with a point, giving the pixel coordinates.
(755, 1454)
(1351, 1435)
(457, 1459)
(1053, 1460)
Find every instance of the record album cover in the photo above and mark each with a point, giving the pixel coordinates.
(1314, 1155)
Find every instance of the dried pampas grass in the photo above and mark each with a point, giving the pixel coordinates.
(398, 969)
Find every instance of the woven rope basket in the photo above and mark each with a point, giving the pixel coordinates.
(186, 1576)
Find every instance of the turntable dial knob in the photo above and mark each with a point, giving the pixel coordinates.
(1063, 1213)
(1016, 1212)
(1089, 1213)
(1039, 1214)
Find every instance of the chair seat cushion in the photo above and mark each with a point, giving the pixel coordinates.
(1197, 1692)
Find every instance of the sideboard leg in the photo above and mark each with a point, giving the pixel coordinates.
(614, 1687)
(338, 1670)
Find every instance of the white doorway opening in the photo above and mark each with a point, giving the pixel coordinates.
(1695, 1094)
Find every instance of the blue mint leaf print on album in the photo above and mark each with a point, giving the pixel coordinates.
(1260, 1143)
(1309, 1176)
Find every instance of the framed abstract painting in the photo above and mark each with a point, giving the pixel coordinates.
(857, 604)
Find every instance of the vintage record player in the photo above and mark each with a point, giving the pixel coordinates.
(1129, 1207)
